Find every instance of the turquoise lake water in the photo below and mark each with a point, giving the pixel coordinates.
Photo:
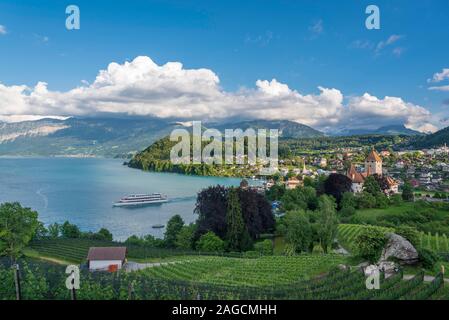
(83, 190)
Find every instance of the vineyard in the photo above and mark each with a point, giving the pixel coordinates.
(347, 233)
(265, 271)
(46, 281)
(436, 243)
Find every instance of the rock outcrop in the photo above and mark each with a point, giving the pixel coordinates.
(399, 249)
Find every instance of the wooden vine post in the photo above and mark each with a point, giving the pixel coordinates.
(17, 281)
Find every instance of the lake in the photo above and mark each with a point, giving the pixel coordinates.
(82, 191)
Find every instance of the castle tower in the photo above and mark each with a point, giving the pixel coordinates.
(373, 163)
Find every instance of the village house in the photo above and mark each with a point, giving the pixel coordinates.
(106, 258)
(293, 183)
(385, 153)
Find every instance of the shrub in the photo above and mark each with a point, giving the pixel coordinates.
(396, 200)
(369, 244)
(264, 247)
(210, 242)
(427, 258)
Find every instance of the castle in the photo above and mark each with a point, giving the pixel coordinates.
(373, 166)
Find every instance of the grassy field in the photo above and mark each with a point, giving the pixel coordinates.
(369, 216)
(373, 213)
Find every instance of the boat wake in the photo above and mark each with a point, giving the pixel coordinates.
(183, 199)
(43, 197)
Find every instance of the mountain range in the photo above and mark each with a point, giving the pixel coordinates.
(111, 137)
(384, 130)
(124, 136)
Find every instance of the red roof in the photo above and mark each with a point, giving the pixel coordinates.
(373, 156)
(391, 182)
(355, 176)
(107, 253)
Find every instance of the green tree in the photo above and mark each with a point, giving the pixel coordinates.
(70, 231)
(104, 234)
(366, 200)
(174, 226)
(135, 240)
(327, 221)
(371, 185)
(185, 237)
(275, 192)
(17, 227)
(210, 242)
(41, 232)
(54, 230)
(348, 200)
(299, 198)
(298, 231)
(348, 204)
(236, 228)
(407, 192)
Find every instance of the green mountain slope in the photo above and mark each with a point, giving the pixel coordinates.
(436, 139)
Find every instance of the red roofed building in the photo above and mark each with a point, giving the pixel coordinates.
(106, 258)
(357, 179)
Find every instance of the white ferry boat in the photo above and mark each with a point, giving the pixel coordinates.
(141, 200)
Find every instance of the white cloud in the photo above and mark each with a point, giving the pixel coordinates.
(398, 51)
(369, 111)
(141, 87)
(27, 117)
(362, 44)
(317, 27)
(440, 76)
(3, 30)
(390, 41)
(440, 88)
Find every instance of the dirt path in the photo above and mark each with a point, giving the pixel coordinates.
(131, 266)
(426, 278)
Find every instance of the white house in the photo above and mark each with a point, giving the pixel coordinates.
(106, 258)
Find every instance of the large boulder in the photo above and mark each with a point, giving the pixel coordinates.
(399, 249)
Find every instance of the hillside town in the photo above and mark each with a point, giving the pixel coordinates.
(427, 170)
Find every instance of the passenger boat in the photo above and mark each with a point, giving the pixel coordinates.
(135, 200)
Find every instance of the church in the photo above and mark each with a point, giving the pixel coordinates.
(373, 166)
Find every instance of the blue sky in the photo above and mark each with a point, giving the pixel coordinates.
(302, 44)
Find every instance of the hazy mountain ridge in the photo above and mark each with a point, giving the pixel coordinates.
(384, 130)
(287, 129)
(81, 136)
(104, 136)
